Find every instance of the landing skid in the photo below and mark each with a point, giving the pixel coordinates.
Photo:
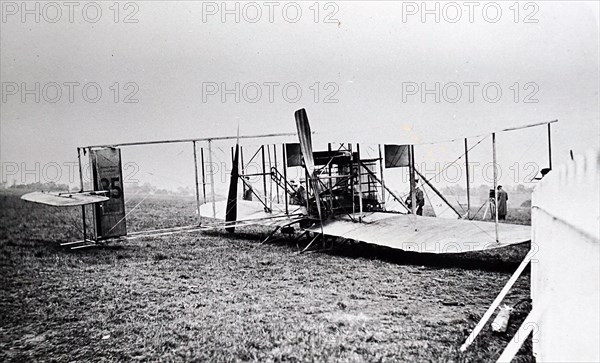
(75, 245)
(281, 228)
(311, 242)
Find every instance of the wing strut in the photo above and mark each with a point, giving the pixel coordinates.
(438, 193)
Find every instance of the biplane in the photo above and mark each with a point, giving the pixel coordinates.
(341, 195)
(345, 196)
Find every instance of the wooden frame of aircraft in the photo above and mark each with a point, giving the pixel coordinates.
(344, 197)
(342, 201)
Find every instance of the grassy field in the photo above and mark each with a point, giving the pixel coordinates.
(221, 297)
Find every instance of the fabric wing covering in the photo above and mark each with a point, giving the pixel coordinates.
(425, 234)
(249, 212)
(63, 200)
(398, 231)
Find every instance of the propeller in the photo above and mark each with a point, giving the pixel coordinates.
(304, 135)
(231, 211)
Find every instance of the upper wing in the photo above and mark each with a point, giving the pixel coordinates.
(63, 200)
(426, 234)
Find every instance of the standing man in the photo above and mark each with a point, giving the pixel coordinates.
(492, 204)
(502, 198)
(301, 193)
(249, 191)
(420, 198)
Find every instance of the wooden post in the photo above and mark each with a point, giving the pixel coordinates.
(81, 190)
(243, 173)
(330, 183)
(360, 195)
(330, 180)
(264, 176)
(212, 179)
(203, 176)
(381, 167)
(270, 177)
(549, 146)
(352, 177)
(411, 172)
(495, 186)
(468, 181)
(196, 182)
(285, 190)
(276, 168)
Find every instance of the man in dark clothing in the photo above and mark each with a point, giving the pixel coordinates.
(502, 198)
(248, 192)
(420, 199)
(299, 194)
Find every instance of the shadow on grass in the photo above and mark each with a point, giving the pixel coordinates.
(505, 259)
(495, 261)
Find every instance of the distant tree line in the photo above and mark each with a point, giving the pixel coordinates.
(49, 186)
(147, 188)
(130, 188)
(484, 189)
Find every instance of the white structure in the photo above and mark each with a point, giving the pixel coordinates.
(565, 267)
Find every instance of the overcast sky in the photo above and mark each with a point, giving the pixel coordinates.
(362, 68)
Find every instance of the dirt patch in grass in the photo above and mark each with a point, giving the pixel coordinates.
(221, 297)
